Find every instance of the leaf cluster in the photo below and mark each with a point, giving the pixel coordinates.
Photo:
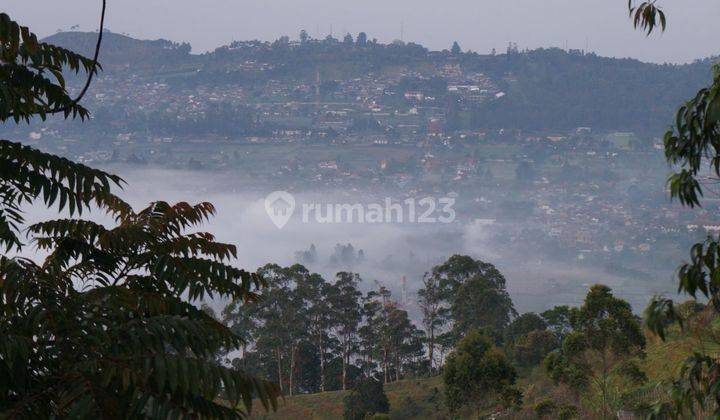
(647, 16)
(106, 323)
(31, 75)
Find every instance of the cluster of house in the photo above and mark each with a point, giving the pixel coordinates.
(407, 108)
(393, 106)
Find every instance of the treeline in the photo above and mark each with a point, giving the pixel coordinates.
(120, 50)
(552, 88)
(310, 334)
(545, 88)
(225, 120)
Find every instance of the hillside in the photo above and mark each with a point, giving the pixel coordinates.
(409, 399)
(541, 89)
(423, 398)
(120, 51)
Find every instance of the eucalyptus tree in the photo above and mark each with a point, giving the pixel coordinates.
(345, 304)
(369, 333)
(401, 338)
(316, 292)
(605, 334)
(478, 374)
(282, 320)
(692, 147)
(466, 293)
(435, 312)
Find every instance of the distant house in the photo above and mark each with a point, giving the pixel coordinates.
(583, 130)
(435, 126)
(330, 165)
(715, 228)
(418, 96)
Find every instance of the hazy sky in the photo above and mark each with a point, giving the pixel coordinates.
(479, 25)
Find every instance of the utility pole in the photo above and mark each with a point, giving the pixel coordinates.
(317, 89)
(404, 291)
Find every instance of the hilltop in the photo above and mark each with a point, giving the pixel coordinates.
(538, 89)
(120, 51)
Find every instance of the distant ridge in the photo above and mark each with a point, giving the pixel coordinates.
(120, 49)
(546, 88)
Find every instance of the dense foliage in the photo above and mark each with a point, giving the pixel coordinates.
(32, 75)
(312, 335)
(692, 146)
(367, 399)
(104, 323)
(479, 374)
(462, 295)
(605, 334)
(104, 326)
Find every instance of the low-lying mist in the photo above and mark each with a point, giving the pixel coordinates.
(382, 253)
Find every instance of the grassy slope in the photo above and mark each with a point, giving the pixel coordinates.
(423, 398)
(425, 394)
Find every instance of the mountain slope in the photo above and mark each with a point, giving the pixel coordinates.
(542, 89)
(121, 50)
(424, 398)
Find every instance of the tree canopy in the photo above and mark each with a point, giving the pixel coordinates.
(105, 325)
(692, 147)
(605, 333)
(365, 400)
(478, 373)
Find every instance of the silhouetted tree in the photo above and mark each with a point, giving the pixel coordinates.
(455, 50)
(477, 373)
(366, 399)
(361, 40)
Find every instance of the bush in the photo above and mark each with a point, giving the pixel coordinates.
(549, 409)
(407, 408)
(477, 373)
(567, 412)
(545, 408)
(368, 399)
(531, 349)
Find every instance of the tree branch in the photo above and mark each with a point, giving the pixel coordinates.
(94, 67)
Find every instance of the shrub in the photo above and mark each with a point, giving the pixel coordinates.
(367, 399)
